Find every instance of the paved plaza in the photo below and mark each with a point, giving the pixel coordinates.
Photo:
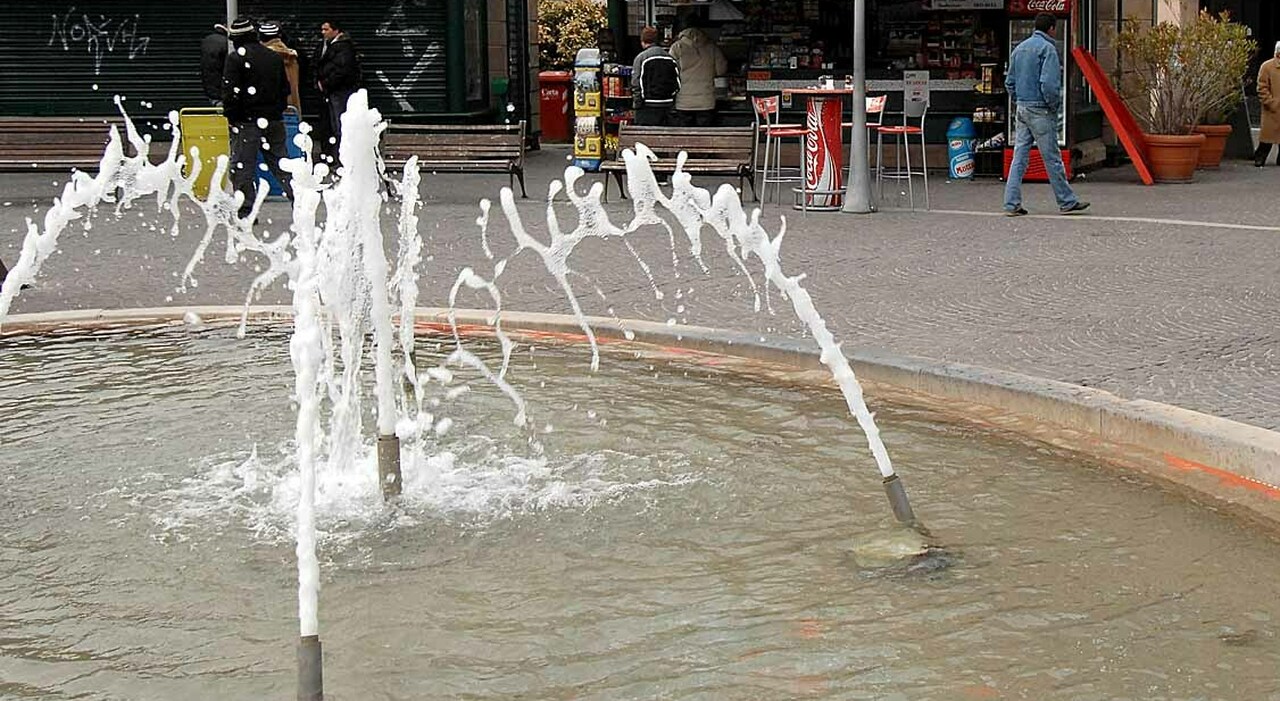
(1166, 293)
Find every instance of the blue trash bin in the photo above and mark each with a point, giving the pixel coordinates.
(961, 144)
(290, 131)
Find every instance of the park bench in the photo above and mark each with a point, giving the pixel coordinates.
(470, 148)
(727, 151)
(55, 143)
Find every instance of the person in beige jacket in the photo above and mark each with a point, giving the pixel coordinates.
(1269, 96)
(269, 33)
(701, 62)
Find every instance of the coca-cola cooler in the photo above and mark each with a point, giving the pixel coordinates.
(1022, 15)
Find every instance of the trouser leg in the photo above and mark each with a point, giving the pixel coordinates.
(273, 149)
(1260, 154)
(245, 141)
(1045, 130)
(337, 106)
(1022, 144)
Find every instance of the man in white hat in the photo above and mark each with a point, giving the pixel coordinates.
(1269, 96)
(269, 33)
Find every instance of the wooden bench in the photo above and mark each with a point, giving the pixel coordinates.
(487, 148)
(55, 143)
(729, 151)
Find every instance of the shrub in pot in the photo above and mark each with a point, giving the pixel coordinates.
(1181, 75)
(1228, 49)
(564, 26)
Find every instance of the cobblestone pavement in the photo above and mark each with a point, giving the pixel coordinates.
(1166, 293)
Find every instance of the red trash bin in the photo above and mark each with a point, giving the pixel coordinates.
(553, 101)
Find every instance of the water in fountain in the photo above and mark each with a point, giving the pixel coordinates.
(342, 287)
(509, 576)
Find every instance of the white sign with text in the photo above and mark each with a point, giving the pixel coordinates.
(915, 85)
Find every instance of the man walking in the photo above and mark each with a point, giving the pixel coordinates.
(1269, 96)
(338, 74)
(655, 81)
(1035, 89)
(255, 93)
(213, 58)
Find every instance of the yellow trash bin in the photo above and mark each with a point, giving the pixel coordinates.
(205, 128)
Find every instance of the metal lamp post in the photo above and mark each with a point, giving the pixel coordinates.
(857, 199)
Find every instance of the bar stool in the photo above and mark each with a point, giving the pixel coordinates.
(767, 115)
(901, 135)
(875, 119)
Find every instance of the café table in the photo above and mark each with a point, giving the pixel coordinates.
(824, 146)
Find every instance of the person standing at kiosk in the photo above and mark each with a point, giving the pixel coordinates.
(655, 81)
(700, 61)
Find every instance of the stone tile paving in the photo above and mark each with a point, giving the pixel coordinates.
(1146, 309)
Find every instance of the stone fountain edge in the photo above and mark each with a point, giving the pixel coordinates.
(1221, 462)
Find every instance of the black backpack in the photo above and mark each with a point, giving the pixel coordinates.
(659, 80)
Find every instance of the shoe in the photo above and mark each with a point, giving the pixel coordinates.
(1258, 164)
(1015, 212)
(1073, 209)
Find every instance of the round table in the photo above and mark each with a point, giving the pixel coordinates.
(824, 146)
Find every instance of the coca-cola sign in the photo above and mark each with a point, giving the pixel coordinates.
(1032, 7)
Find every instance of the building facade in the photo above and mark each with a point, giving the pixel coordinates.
(423, 60)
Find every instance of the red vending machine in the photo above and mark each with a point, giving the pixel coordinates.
(1022, 15)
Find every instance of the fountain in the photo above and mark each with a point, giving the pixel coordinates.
(343, 291)
(321, 267)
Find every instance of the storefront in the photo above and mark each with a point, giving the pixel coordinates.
(778, 45)
(1263, 21)
(422, 59)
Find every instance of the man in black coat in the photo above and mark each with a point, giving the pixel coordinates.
(338, 74)
(213, 58)
(255, 93)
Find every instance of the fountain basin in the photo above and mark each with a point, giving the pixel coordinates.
(717, 556)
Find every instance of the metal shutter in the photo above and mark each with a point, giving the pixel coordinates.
(70, 58)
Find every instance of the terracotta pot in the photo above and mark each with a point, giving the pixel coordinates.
(1215, 143)
(1174, 157)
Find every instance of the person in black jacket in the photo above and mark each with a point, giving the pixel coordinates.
(213, 58)
(255, 93)
(338, 74)
(655, 81)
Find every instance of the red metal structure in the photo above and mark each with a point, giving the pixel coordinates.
(1121, 119)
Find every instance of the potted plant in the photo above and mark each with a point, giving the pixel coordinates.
(1179, 76)
(1228, 50)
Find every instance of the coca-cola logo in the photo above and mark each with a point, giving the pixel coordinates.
(1057, 7)
(811, 148)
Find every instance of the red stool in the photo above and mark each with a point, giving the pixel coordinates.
(875, 118)
(767, 116)
(901, 135)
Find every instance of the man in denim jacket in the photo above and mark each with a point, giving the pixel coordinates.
(1034, 83)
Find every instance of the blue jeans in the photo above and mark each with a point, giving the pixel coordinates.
(247, 139)
(1037, 126)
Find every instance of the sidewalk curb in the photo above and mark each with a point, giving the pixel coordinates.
(1233, 465)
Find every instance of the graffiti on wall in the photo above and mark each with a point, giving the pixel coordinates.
(98, 35)
(411, 33)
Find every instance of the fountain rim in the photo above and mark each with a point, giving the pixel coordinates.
(1231, 465)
